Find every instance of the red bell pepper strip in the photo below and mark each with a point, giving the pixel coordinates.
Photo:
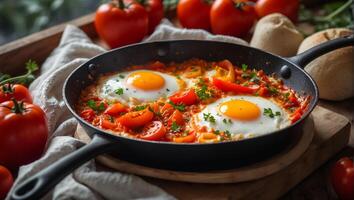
(233, 87)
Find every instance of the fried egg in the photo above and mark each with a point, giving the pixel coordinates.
(138, 86)
(246, 115)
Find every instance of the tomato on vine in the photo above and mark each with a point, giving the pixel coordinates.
(232, 17)
(194, 13)
(120, 24)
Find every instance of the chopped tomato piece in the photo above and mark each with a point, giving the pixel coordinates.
(187, 98)
(233, 87)
(296, 115)
(177, 117)
(263, 92)
(107, 123)
(185, 139)
(167, 110)
(136, 119)
(88, 114)
(115, 109)
(154, 131)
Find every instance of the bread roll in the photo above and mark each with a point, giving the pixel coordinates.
(275, 33)
(333, 72)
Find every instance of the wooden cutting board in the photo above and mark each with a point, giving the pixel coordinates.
(331, 134)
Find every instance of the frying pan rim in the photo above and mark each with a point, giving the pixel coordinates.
(113, 136)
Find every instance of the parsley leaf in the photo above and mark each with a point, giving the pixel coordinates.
(272, 90)
(175, 127)
(244, 67)
(121, 76)
(119, 91)
(209, 118)
(181, 107)
(254, 77)
(92, 104)
(269, 112)
(141, 107)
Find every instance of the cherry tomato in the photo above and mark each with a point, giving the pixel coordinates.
(136, 119)
(177, 117)
(6, 182)
(185, 139)
(88, 115)
(23, 133)
(289, 8)
(155, 130)
(232, 87)
(115, 109)
(194, 13)
(187, 98)
(342, 178)
(16, 91)
(119, 24)
(232, 17)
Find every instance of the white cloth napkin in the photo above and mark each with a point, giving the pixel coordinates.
(86, 182)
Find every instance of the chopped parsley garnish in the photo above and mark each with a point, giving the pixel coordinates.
(269, 112)
(272, 90)
(119, 91)
(156, 113)
(141, 107)
(254, 77)
(286, 95)
(203, 93)
(209, 118)
(181, 107)
(167, 89)
(121, 76)
(216, 132)
(175, 127)
(244, 67)
(92, 104)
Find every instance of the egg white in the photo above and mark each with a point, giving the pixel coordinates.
(262, 125)
(109, 85)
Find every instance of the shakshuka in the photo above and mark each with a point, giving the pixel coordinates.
(191, 102)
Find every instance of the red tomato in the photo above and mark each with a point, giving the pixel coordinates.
(177, 117)
(154, 9)
(155, 130)
(115, 109)
(187, 98)
(289, 8)
(88, 114)
(16, 91)
(136, 119)
(232, 17)
(342, 178)
(232, 87)
(6, 182)
(194, 13)
(119, 25)
(23, 133)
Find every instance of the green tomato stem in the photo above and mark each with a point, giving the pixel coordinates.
(18, 107)
(13, 79)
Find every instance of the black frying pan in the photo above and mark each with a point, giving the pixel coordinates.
(187, 157)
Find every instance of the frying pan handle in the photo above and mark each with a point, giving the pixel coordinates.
(306, 57)
(38, 185)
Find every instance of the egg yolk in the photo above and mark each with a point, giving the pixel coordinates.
(240, 109)
(146, 80)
